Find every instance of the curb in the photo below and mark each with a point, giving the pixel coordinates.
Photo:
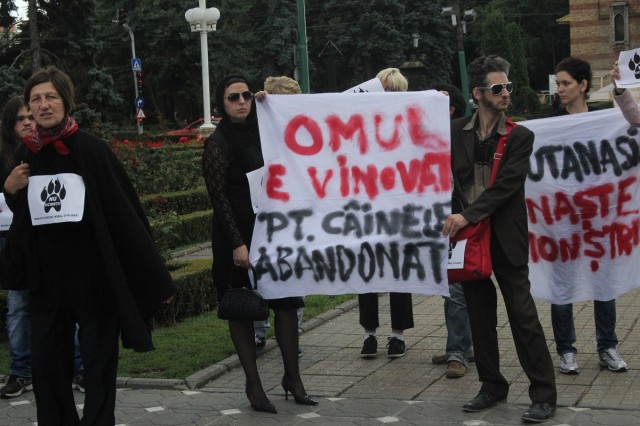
(190, 250)
(202, 377)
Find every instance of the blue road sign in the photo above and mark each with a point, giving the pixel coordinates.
(139, 102)
(136, 65)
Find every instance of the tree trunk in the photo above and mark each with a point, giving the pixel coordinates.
(34, 35)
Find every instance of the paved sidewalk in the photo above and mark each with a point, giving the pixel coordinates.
(408, 390)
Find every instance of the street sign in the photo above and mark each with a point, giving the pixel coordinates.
(136, 64)
(139, 102)
(140, 114)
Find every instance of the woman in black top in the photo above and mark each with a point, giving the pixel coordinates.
(229, 153)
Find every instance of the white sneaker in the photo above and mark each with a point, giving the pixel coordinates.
(568, 363)
(610, 359)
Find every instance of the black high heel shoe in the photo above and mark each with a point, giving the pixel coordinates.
(299, 399)
(266, 407)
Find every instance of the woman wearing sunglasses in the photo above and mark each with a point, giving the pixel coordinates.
(573, 77)
(230, 153)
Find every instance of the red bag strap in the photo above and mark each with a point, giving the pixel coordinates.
(502, 142)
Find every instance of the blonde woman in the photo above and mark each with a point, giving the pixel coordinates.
(400, 303)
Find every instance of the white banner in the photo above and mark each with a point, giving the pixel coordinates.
(356, 187)
(583, 202)
(6, 215)
(373, 85)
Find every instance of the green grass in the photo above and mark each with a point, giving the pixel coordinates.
(190, 345)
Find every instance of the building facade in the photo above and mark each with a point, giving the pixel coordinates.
(600, 30)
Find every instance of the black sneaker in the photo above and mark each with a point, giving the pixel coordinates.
(78, 383)
(370, 347)
(15, 386)
(396, 348)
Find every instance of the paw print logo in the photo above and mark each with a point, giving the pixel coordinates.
(634, 65)
(52, 196)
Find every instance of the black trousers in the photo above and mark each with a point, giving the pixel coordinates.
(401, 311)
(528, 335)
(52, 351)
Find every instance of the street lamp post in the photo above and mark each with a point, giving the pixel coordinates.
(459, 23)
(303, 58)
(203, 20)
(121, 17)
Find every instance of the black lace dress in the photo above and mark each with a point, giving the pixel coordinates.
(225, 163)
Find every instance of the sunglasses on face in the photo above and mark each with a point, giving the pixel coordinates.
(20, 118)
(235, 97)
(496, 89)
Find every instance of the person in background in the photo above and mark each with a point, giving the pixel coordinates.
(473, 146)
(629, 107)
(400, 303)
(230, 153)
(282, 85)
(573, 78)
(459, 349)
(96, 265)
(16, 121)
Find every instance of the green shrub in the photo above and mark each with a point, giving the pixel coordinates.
(154, 167)
(195, 296)
(171, 230)
(181, 202)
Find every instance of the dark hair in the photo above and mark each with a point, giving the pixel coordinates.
(456, 99)
(60, 81)
(9, 141)
(577, 68)
(479, 68)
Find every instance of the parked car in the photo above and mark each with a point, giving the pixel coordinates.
(192, 128)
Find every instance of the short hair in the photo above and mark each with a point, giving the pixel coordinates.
(393, 79)
(282, 85)
(478, 69)
(9, 141)
(577, 68)
(456, 99)
(60, 81)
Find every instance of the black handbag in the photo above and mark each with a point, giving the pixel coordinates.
(243, 303)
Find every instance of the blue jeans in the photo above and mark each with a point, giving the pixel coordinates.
(564, 331)
(459, 343)
(260, 327)
(19, 333)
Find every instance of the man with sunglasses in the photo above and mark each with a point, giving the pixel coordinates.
(473, 148)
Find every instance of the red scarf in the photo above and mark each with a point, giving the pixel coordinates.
(37, 138)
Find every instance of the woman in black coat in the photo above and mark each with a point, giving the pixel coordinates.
(229, 153)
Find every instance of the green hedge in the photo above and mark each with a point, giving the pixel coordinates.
(181, 202)
(172, 231)
(196, 294)
(155, 168)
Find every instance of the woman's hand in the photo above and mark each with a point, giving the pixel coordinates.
(241, 256)
(615, 75)
(260, 96)
(453, 224)
(17, 179)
